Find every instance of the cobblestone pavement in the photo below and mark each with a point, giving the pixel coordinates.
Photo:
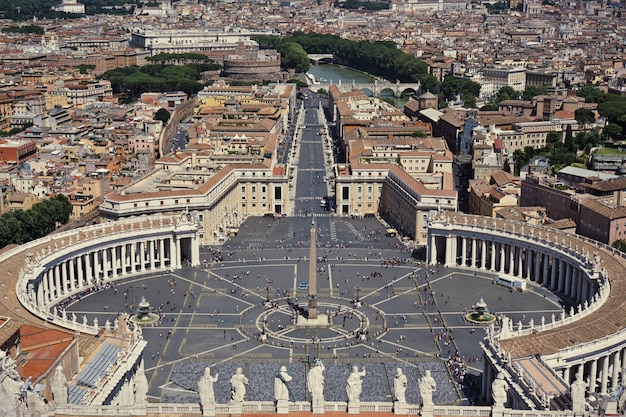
(412, 316)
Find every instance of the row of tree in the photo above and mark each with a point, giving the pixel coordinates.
(22, 226)
(22, 10)
(131, 82)
(611, 106)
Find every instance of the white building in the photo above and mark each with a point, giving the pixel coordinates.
(70, 6)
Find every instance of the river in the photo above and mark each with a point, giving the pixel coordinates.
(328, 72)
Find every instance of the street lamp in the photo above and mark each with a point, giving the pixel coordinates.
(357, 300)
(267, 294)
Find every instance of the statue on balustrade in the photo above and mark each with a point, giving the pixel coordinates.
(205, 388)
(58, 385)
(499, 389)
(427, 386)
(282, 391)
(399, 386)
(578, 390)
(238, 384)
(315, 382)
(354, 385)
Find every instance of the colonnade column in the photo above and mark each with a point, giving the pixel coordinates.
(72, 271)
(546, 265)
(593, 375)
(79, 271)
(561, 281)
(96, 263)
(195, 251)
(483, 254)
(492, 248)
(88, 268)
(448, 260)
(179, 253)
(464, 252)
(568, 279)
(553, 274)
(511, 259)
(473, 260)
(56, 271)
(502, 258)
(162, 253)
(537, 273)
(605, 374)
(151, 251)
(65, 275)
(432, 249)
(616, 369)
(124, 259)
(566, 374)
(46, 286)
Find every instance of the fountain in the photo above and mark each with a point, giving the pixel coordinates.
(144, 314)
(480, 314)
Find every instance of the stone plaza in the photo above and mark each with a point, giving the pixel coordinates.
(218, 314)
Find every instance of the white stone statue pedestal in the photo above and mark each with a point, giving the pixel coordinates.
(428, 411)
(354, 408)
(208, 410)
(400, 408)
(282, 407)
(318, 407)
(235, 409)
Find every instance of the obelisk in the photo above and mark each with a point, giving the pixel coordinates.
(313, 274)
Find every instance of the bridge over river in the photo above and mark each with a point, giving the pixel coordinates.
(374, 89)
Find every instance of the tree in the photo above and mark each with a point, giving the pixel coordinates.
(590, 93)
(612, 131)
(506, 93)
(569, 138)
(533, 91)
(163, 115)
(620, 245)
(469, 100)
(584, 116)
(506, 167)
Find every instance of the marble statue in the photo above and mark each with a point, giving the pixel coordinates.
(58, 385)
(281, 387)
(399, 386)
(315, 381)
(8, 365)
(238, 384)
(354, 385)
(141, 386)
(205, 388)
(578, 389)
(427, 386)
(499, 389)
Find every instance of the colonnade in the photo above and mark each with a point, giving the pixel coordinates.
(74, 262)
(515, 258)
(105, 263)
(604, 371)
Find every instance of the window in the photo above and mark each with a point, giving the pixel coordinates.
(254, 189)
(243, 188)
